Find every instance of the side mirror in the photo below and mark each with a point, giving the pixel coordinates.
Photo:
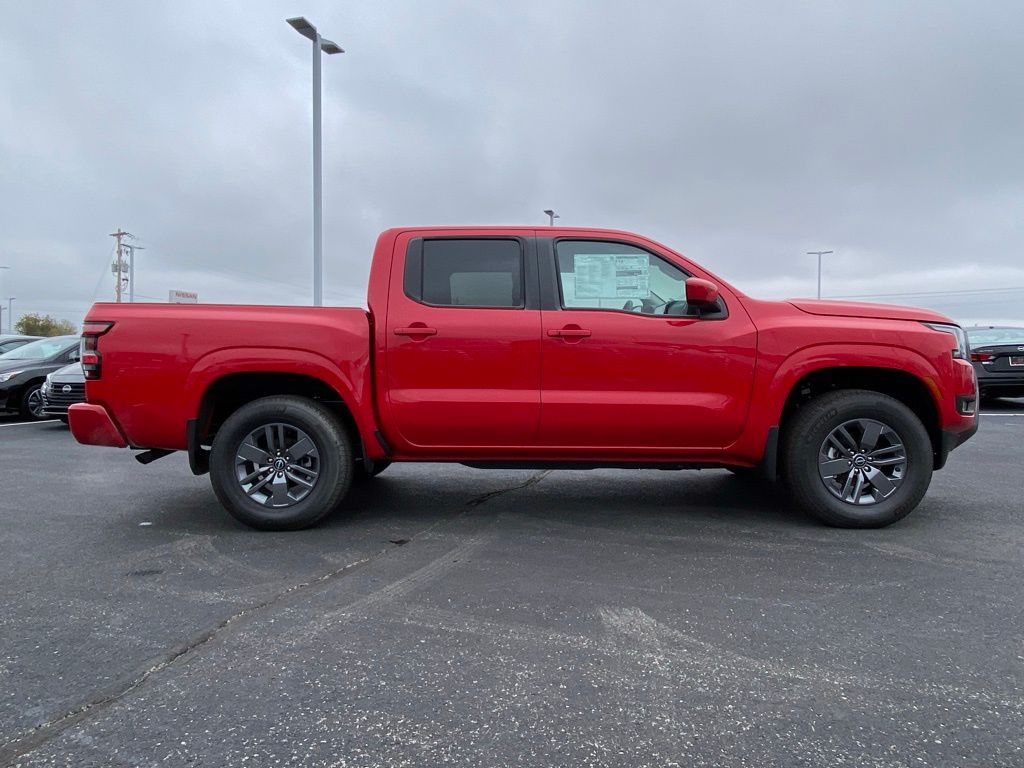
(701, 293)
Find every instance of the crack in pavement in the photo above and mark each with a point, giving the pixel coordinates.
(28, 741)
(533, 480)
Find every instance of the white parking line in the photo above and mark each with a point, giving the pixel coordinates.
(997, 413)
(27, 423)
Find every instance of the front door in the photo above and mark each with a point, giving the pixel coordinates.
(627, 366)
(462, 368)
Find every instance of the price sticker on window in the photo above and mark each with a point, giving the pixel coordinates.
(611, 276)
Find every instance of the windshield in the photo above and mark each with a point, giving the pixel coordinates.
(985, 336)
(42, 349)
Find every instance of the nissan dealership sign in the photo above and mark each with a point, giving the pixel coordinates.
(183, 297)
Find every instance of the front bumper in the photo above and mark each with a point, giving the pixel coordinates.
(7, 402)
(92, 425)
(952, 439)
(55, 403)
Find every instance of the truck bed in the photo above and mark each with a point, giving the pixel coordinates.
(167, 355)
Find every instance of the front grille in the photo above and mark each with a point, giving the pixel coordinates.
(57, 396)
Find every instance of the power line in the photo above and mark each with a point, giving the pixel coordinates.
(966, 291)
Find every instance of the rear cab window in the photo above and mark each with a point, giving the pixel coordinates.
(466, 272)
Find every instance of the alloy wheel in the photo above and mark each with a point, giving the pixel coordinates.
(862, 461)
(277, 465)
(35, 403)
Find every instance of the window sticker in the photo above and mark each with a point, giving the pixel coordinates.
(607, 276)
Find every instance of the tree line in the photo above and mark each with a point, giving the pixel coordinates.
(43, 325)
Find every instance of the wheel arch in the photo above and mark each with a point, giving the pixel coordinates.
(225, 394)
(902, 385)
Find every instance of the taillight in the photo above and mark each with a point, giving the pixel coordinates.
(89, 349)
(982, 357)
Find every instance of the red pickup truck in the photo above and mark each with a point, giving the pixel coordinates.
(522, 347)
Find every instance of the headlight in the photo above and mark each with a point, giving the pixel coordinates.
(961, 351)
(8, 376)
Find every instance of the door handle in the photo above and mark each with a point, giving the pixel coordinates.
(415, 330)
(569, 333)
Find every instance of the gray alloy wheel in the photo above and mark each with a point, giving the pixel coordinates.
(277, 465)
(862, 461)
(32, 407)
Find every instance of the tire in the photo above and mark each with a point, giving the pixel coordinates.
(326, 465)
(32, 402)
(809, 454)
(367, 470)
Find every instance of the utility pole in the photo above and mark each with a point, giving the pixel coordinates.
(131, 270)
(10, 314)
(118, 266)
(551, 217)
(819, 254)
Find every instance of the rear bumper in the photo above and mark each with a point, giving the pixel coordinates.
(92, 425)
(1001, 384)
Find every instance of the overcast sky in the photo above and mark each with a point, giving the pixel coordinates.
(741, 134)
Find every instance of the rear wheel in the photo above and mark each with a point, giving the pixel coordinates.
(32, 403)
(281, 463)
(857, 459)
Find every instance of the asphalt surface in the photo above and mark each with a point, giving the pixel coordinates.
(464, 617)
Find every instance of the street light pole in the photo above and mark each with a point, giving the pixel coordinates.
(819, 254)
(10, 323)
(551, 217)
(10, 314)
(310, 32)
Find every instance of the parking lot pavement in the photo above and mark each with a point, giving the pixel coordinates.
(465, 617)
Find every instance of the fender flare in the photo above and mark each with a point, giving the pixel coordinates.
(773, 385)
(353, 391)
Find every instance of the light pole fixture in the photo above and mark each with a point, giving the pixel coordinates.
(307, 30)
(551, 217)
(819, 254)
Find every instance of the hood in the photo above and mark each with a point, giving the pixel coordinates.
(69, 374)
(866, 309)
(17, 365)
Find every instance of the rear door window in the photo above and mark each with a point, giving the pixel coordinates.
(467, 272)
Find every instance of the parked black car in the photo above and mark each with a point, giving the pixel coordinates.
(13, 341)
(62, 388)
(997, 353)
(23, 370)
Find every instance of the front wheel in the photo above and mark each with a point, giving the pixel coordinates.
(32, 403)
(857, 459)
(281, 463)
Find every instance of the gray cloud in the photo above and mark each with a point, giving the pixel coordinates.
(743, 134)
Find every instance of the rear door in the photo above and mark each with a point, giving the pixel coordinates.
(627, 366)
(462, 366)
